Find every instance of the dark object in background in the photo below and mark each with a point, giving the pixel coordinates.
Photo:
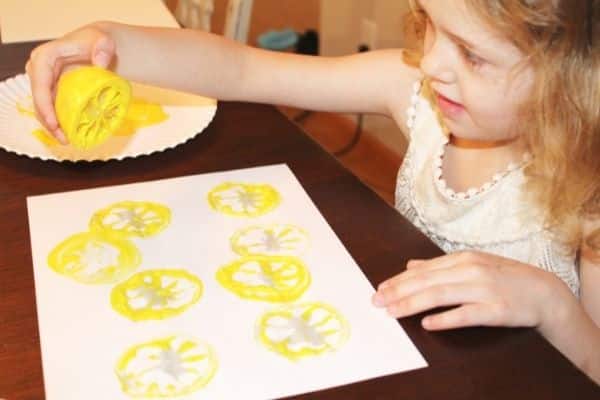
(308, 43)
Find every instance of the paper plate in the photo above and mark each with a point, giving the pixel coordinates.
(188, 116)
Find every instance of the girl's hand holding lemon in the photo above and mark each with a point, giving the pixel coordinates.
(101, 101)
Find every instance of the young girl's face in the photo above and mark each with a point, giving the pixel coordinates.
(470, 67)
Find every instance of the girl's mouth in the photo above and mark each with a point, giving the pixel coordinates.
(448, 107)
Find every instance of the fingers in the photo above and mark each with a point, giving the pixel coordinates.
(407, 284)
(41, 74)
(437, 296)
(464, 316)
(417, 267)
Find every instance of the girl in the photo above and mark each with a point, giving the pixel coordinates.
(502, 167)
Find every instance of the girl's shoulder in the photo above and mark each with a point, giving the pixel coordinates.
(406, 73)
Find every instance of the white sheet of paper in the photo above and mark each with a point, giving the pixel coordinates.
(82, 337)
(31, 20)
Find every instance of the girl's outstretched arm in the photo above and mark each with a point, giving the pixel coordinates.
(199, 62)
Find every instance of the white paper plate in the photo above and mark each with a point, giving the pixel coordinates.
(188, 116)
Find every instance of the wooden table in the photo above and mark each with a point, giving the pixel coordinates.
(476, 363)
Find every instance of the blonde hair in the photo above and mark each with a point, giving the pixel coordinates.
(562, 125)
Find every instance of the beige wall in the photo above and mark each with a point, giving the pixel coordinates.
(269, 14)
(340, 23)
(340, 26)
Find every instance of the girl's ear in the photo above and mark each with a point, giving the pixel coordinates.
(590, 248)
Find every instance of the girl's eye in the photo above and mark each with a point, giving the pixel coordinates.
(471, 57)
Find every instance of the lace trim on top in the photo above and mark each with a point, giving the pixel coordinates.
(443, 220)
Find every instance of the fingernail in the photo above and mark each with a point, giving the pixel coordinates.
(378, 300)
(59, 134)
(426, 323)
(101, 59)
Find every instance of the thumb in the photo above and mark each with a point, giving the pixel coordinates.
(103, 52)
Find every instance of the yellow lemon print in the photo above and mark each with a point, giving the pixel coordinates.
(303, 330)
(243, 200)
(156, 294)
(91, 104)
(95, 258)
(140, 114)
(277, 239)
(172, 366)
(132, 218)
(266, 278)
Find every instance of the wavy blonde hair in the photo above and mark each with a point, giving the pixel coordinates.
(560, 41)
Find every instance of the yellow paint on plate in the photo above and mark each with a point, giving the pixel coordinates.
(266, 278)
(243, 200)
(132, 218)
(163, 368)
(303, 330)
(26, 109)
(141, 114)
(44, 137)
(156, 294)
(95, 258)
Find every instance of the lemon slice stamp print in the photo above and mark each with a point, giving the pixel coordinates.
(243, 200)
(276, 239)
(156, 294)
(303, 330)
(95, 258)
(132, 218)
(172, 366)
(267, 278)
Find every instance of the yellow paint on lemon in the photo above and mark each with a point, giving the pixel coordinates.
(91, 104)
(140, 114)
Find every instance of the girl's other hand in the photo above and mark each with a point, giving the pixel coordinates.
(88, 45)
(488, 290)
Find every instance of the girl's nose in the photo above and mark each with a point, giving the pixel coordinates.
(436, 63)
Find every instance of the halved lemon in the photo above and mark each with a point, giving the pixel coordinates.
(141, 113)
(243, 200)
(275, 239)
(156, 294)
(266, 278)
(91, 103)
(95, 258)
(303, 330)
(172, 366)
(132, 218)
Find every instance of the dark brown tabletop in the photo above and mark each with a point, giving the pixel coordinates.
(475, 363)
